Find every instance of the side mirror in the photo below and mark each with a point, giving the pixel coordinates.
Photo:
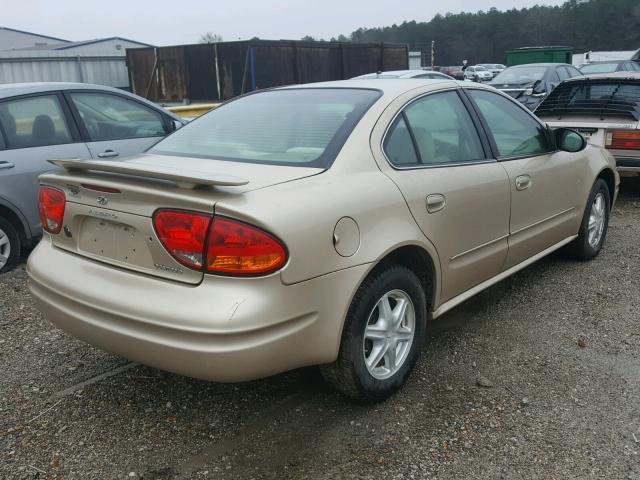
(569, 140)
(177, 124)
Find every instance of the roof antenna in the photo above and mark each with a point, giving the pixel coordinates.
(378, 73)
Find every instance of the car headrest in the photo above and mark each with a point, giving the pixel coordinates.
(43, 129)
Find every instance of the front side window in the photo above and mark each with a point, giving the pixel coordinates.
(514, 131)
(112, 117)
(441, 130)
(34, 122)
(297, 127)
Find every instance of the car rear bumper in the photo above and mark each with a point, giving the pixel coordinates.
(225, 329)
(628, 164)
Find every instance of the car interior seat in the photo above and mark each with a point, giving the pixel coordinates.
(43, 131)
(9, 125)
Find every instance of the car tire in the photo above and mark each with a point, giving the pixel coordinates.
(9, 245)
(595, 223)
(358, 374)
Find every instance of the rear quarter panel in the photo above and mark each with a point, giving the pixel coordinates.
(304, 213)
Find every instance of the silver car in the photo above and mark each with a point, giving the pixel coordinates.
(43, 121)
(420, 74)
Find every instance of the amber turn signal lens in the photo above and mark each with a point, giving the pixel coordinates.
(236, 248)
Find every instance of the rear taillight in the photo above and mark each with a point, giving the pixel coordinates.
(623, 139)
(183, 234)
(51, 202)
(229, 246)
(236, 248)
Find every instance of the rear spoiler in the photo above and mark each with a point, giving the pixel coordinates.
(182, 178)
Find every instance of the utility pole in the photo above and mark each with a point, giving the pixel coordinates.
(433, 54)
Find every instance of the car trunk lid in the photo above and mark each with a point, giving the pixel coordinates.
(110, 204)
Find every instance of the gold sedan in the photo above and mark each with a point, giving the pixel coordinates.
(324, 224)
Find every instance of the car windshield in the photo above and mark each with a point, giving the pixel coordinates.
(520, 75)
(599, 67)
(480, 68)
(297, 127)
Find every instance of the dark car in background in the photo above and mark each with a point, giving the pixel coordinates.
(605, 109)
(453, 71)
(609, 66)
(531, 82)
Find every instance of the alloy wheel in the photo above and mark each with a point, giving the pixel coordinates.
(597, 219)
(5, 248)
(389, 334)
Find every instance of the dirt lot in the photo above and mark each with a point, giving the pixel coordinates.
(560, 342)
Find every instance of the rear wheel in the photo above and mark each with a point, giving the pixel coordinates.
(595, 223)
(382, 336)
(9, 245)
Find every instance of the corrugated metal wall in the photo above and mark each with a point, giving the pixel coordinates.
(57, 66)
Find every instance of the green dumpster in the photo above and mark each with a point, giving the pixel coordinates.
(523, 55)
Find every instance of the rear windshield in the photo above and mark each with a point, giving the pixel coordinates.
(520, 75)
(599, 68)
(601, 98)
(297, 127)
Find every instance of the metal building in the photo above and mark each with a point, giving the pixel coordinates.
(11, 39)
(35, 58)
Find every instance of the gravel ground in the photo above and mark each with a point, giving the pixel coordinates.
(557, 346)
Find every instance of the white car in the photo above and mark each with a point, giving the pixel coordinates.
(477, 74)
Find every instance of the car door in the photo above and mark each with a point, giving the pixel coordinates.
(457, 195)
(543, 182)
(35, 128)
(117, 126)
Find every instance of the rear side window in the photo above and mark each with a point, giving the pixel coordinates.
(439, 128)
(33, 122)
(297, 127)
(112, 117)
(563, 73)
(573, 72)
(515, 132)
(398, 145)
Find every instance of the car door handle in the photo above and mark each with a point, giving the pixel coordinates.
(6, 165)
(435, 202)
(108, 154)
(523, 182)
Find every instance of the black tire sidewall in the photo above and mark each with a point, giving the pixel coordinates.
(394, 278)
(14, 240)
(586, 250)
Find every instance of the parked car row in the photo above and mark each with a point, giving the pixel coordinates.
(400, 156)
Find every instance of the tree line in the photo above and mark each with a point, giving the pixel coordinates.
(485, 37)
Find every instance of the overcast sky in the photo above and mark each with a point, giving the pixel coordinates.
(163, 22)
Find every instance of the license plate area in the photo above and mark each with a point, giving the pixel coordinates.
(114, 240)
(125, 240)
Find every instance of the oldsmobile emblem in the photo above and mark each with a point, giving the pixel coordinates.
(102, 200)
